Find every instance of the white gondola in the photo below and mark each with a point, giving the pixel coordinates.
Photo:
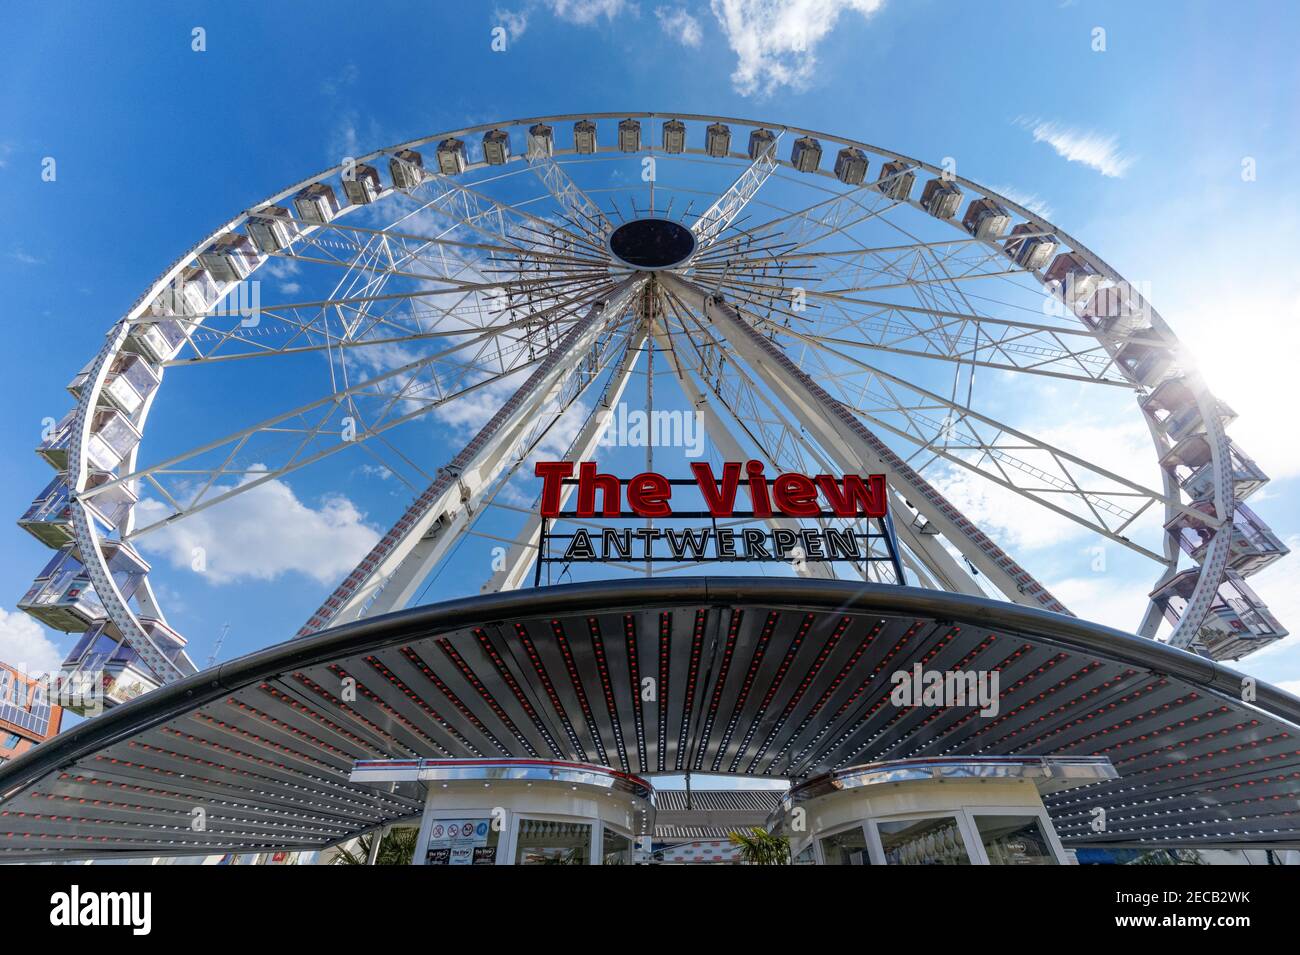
(1173, 409)
(1148, 357)
(112, 437)
(1028, 248)
(1117, 310)
(806, 154)
(1191, 464)
(941, 198)
(63, 597)
(629, 135)
(986, 219)
(584, 137)
(761, 142)
(452, 158)
(273, 229)
(717, 140)
(406, 169)
(851, 166)
(129, 383)
(158, 341)
(1253, 545)
(541, 141)
(496, 147)
(1237, 623)
(104, 656)
(317, 203)
(896, 180)
(674, 137)
(361, 184)
(193, 292)
(1075, 279)
(231, 257)
(49, 518)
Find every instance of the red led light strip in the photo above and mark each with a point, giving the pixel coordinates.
(418, 662)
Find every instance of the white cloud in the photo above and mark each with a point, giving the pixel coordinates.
(515, 21)
(587, 11)
(680, 25)
(1030, 200)
(262, 534)
(18, 254)
(25, 645)
(348, 76)
(1095, 150)
(1102, 599)
(1278, 585)
(775, 41)
(1018, 523)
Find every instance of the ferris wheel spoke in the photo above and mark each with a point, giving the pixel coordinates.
(525, 547)
(582, 211)
(759, 360)
(996, 451)
(821, 220)
(714, 221)
(785, 444)
(364, 326)
(448, 375)
(769, 434)
(391, 574)
(479, 213)
(972, 340)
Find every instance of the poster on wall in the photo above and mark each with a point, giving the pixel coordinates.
(460, 842)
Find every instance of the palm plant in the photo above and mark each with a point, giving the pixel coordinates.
(396, 848)
(760, 847)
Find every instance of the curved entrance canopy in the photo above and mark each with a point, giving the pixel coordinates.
(781, 677)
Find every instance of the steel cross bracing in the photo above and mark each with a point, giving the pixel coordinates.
(980, 443)
(709, 385)
(583, 212)
(961, 435)
(685, 365)
(315, 430)
(364, 317)
(718, 218)
(857, 449)
(523, 551)
(765, 422)
(389, 575)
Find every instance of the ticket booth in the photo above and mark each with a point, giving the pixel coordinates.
(521, 811)
(946, 811)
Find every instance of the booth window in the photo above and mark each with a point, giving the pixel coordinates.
(933, 841)
(549, 842)
(617, 848)
(1015, 840)
(846, 848)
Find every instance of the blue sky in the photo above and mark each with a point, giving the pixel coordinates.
(1137, 149)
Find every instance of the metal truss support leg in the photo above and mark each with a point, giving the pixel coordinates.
(856, 448)
(392, 572)
(523, 552)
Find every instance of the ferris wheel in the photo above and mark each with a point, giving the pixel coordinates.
(819, 304)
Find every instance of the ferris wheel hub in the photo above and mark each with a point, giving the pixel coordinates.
(652, 244)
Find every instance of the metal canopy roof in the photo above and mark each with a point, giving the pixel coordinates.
(752, 675)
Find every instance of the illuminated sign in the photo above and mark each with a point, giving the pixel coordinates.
(839, 508)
